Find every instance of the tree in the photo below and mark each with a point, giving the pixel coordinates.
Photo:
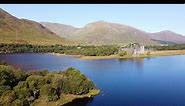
(123, 53)
(49, 92)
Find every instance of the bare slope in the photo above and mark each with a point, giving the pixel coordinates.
(102, 32)
(14, 30)
(168, 36)
(60, 29)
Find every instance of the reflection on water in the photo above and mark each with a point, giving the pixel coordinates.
(138, 62)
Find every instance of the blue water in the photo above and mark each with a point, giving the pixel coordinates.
(158, 81)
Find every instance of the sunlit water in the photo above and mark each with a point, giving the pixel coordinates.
(156, 81)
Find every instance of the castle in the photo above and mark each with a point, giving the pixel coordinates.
(133, 48)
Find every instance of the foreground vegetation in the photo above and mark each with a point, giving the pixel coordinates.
(19, 88)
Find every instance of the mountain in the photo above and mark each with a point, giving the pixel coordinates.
(60, 29)
(15, 30)
(168, 36)
(100, 32)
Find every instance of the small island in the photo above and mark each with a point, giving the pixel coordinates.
(43, 88)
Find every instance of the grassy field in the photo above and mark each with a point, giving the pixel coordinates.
(168, 53)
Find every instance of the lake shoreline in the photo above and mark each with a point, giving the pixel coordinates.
(58, 54)
(140, 74)
(66, 99)
(152, 54)
(70, 98)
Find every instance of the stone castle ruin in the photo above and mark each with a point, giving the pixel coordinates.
(133, 48)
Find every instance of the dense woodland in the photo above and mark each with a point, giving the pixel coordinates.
(19, 88)
(69, 50)
(104, 50)
(169, 47)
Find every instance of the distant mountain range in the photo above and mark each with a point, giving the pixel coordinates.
(15, 30)
(101, 32)
(168, 36)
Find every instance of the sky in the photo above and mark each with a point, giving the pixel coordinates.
(147, 17)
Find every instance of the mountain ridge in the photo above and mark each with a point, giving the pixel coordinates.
(15, 30)
(81, 34)
(168, 36)
(101, 32)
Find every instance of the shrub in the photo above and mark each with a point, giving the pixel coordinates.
(4, 88)
(6, 76)
(10, 76)
(35, 81)
(41, 73)
(7, 98)
(123, 53)
(17, 102)
(148, 53)
(23, 93)
(49, 92)
(76, 82)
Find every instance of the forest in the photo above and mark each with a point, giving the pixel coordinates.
(169, 47)
(20, 88)
(69, 50)
(104, 50)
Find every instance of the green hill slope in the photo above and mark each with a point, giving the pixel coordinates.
(14, 30)
(101, 33)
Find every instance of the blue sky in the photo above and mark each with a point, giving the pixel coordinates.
(147, 17)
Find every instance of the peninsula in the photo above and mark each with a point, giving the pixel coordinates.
(43, 88)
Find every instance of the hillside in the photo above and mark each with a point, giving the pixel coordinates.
(101, 32)
(168, 36)
(60, 29)
(15, 30)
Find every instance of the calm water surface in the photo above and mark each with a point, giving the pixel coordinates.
(156, 81)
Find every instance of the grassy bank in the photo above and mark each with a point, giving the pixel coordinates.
(168, 53)
(152, 54)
